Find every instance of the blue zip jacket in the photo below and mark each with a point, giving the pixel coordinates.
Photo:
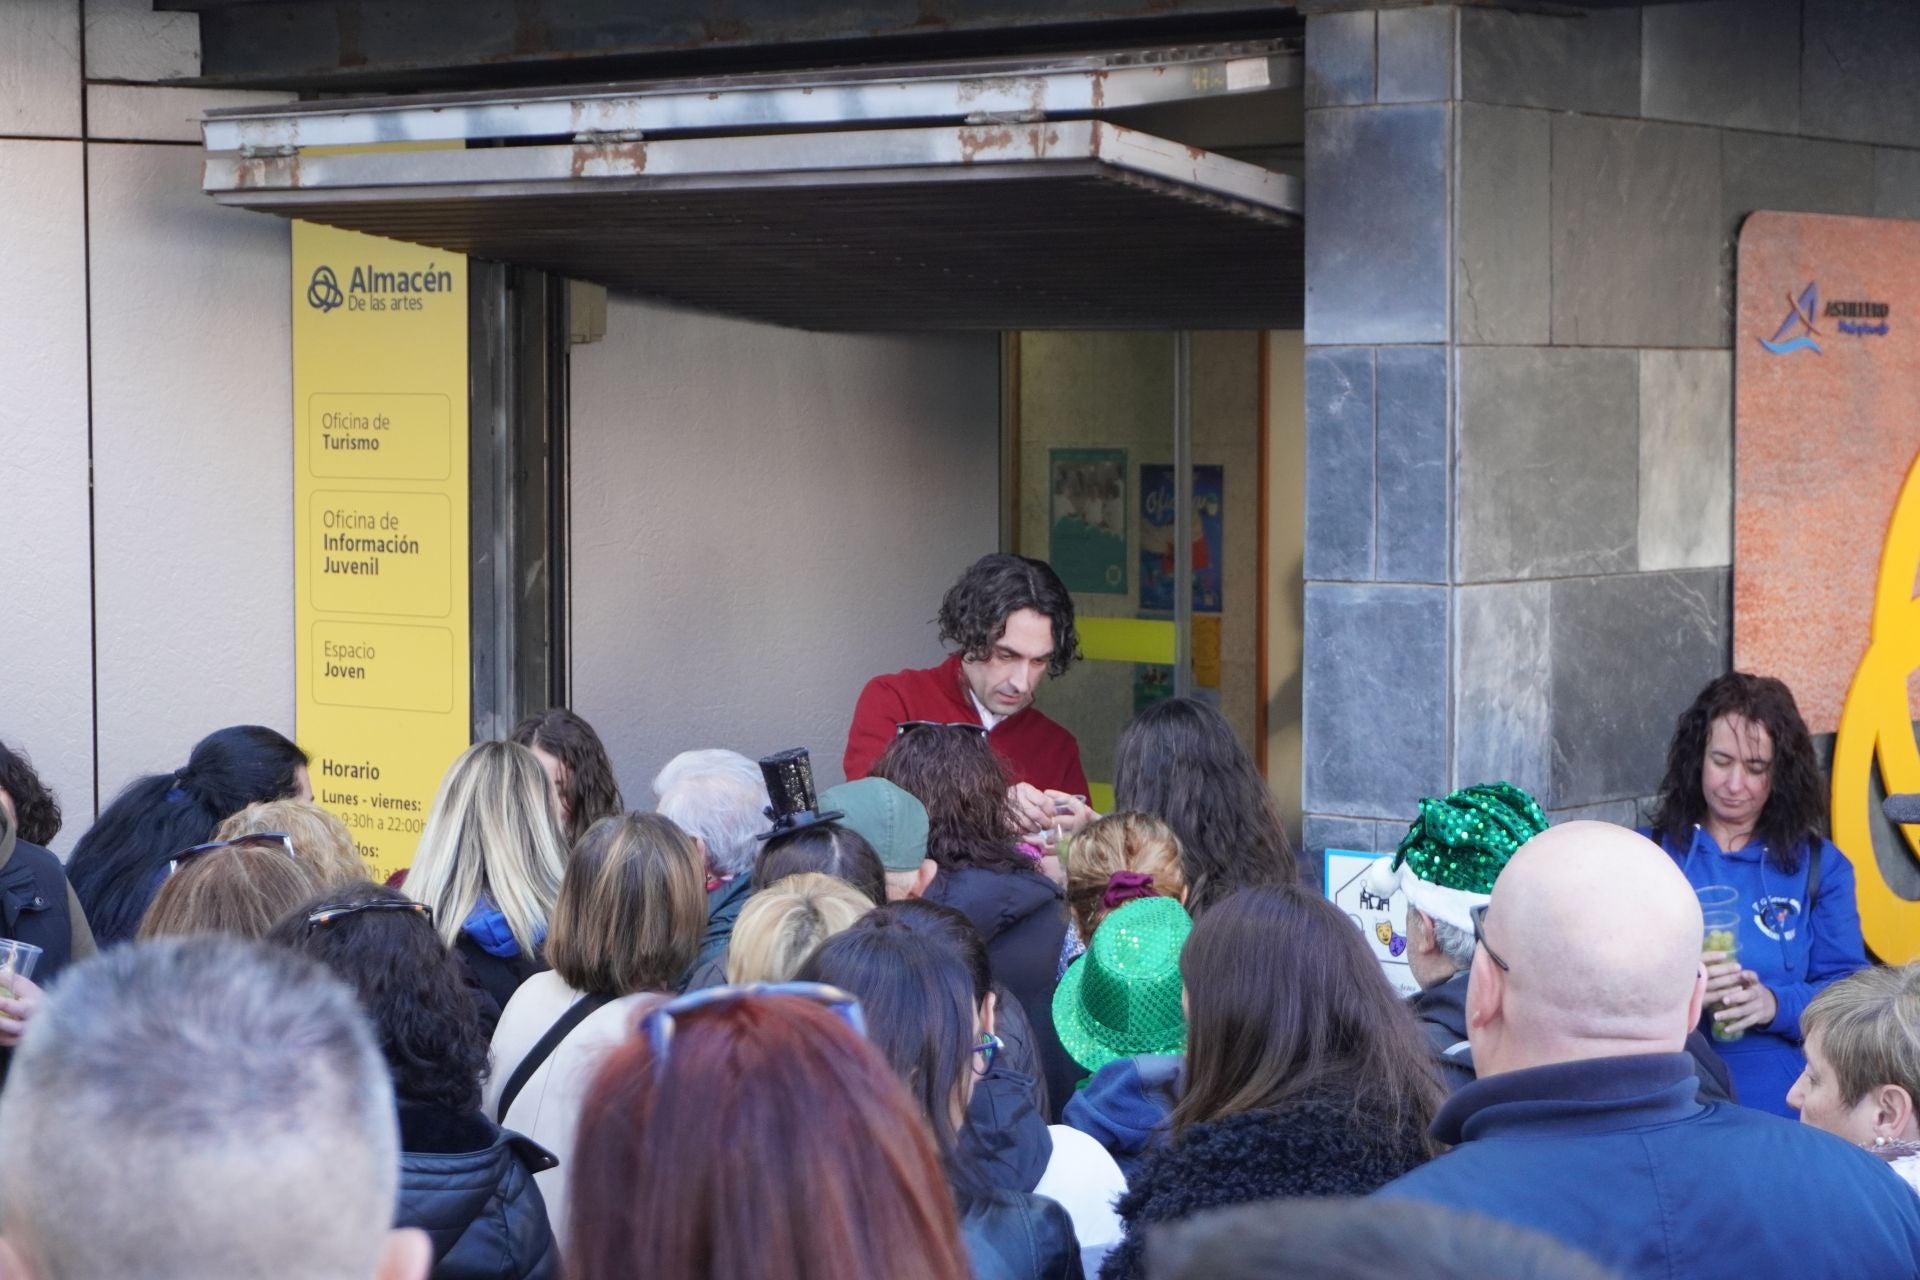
(1797, 957)
(1619, 1159)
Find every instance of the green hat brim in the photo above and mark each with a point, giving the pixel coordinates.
(1091, 1044)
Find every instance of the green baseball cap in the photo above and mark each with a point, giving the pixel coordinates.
(891, 819)
(1122, 998)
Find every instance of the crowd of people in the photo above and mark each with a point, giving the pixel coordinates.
(944, 1019)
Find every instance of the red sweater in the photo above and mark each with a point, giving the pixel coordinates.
(1034, 748)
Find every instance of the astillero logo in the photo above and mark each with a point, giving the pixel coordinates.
(1799, 322)
(323, 291)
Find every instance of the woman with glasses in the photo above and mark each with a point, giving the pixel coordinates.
(932, 1016)
(241, 887)
(464, 1181)
(677, 1177)
(626, 929)
(119, 863)
(986, 875)
(489, 864)
(1306, 1075)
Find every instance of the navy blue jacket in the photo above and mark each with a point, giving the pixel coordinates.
(1797, 953)
(1617, 1158)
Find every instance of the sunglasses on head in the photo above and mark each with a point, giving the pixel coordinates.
(258, 840)
(659, 1025)
(905, 727)
(329, 915)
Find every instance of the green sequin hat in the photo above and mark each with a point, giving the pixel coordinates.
(1122, 998)
(1456, 848)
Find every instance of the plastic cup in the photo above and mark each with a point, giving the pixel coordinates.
(16, 957)
(1720, 931)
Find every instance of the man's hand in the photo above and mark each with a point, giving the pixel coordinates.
(1030, 808)
(17, 1012)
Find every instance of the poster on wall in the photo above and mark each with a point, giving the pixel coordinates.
(1382, 921)
(1087, 519)
(382, 699)
(1827, 518)
(1157, 537)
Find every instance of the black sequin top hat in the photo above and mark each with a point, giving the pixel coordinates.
(789, 776)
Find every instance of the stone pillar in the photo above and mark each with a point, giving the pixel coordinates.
(1518, 412)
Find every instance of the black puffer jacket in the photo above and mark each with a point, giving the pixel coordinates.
(1011, 1235)
(1022, 917)
(469, 1185)
(1307, 1148)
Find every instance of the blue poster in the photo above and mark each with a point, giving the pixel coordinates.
(1157, 541)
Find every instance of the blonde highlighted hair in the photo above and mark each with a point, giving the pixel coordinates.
(1869, 1029)
(1136, 842)
(491, 835)
(632, 910)
(784, 923)
(322, 840)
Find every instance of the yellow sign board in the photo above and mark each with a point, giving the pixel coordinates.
(380, 528)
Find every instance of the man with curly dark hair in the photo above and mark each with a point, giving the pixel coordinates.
(1008, 623)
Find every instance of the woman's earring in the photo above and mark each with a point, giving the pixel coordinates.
(1879, 1139)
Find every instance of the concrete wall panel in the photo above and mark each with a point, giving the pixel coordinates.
(1856, 71)
(1503, 249)
(46, 642)
(1377, 225)
(1629, 653)
(1340, 59)
(1415, 55)
(193, 470)
(1375, 698)
(1549, 462)
(1734, 63)
(1410, 443)
(1637, 235)
(1686, 459)
(40, 68)
(762, 520)
(1503, 701)
(1567, 62)
(1340, 459)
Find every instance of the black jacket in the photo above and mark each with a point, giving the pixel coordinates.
(1306, 1148)
(1022, 916)
(1011, 1235)
(495, 978)
(1442, 1010)
(469, 1185)
(37, 906)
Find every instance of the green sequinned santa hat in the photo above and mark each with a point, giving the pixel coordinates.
(1455, 849)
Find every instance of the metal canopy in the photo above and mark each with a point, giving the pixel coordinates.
(1002, 215)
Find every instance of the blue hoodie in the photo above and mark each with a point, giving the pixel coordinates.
(1125, 1106)
(1795, 957)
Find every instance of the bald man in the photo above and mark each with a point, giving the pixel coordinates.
(1584, 1123)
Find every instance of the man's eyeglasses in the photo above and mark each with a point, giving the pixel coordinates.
(905, 727)
(258, 840)
(328, 915)
(1478, 915)
(658, 1026)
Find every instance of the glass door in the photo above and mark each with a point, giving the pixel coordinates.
(1165, 574)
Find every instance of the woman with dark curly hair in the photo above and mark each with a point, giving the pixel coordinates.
(463, 1180)
(36, 813)
(1179, 761)
(119, 863)
(1743, 806)
(576, 763)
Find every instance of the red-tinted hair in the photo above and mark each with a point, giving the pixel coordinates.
(776, 1145)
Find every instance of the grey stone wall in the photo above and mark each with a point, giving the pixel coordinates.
(1520, 252)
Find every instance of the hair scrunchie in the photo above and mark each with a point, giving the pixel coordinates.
(177, 794)
(1125, 886)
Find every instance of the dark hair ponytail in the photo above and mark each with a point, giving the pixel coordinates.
(116, 866)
